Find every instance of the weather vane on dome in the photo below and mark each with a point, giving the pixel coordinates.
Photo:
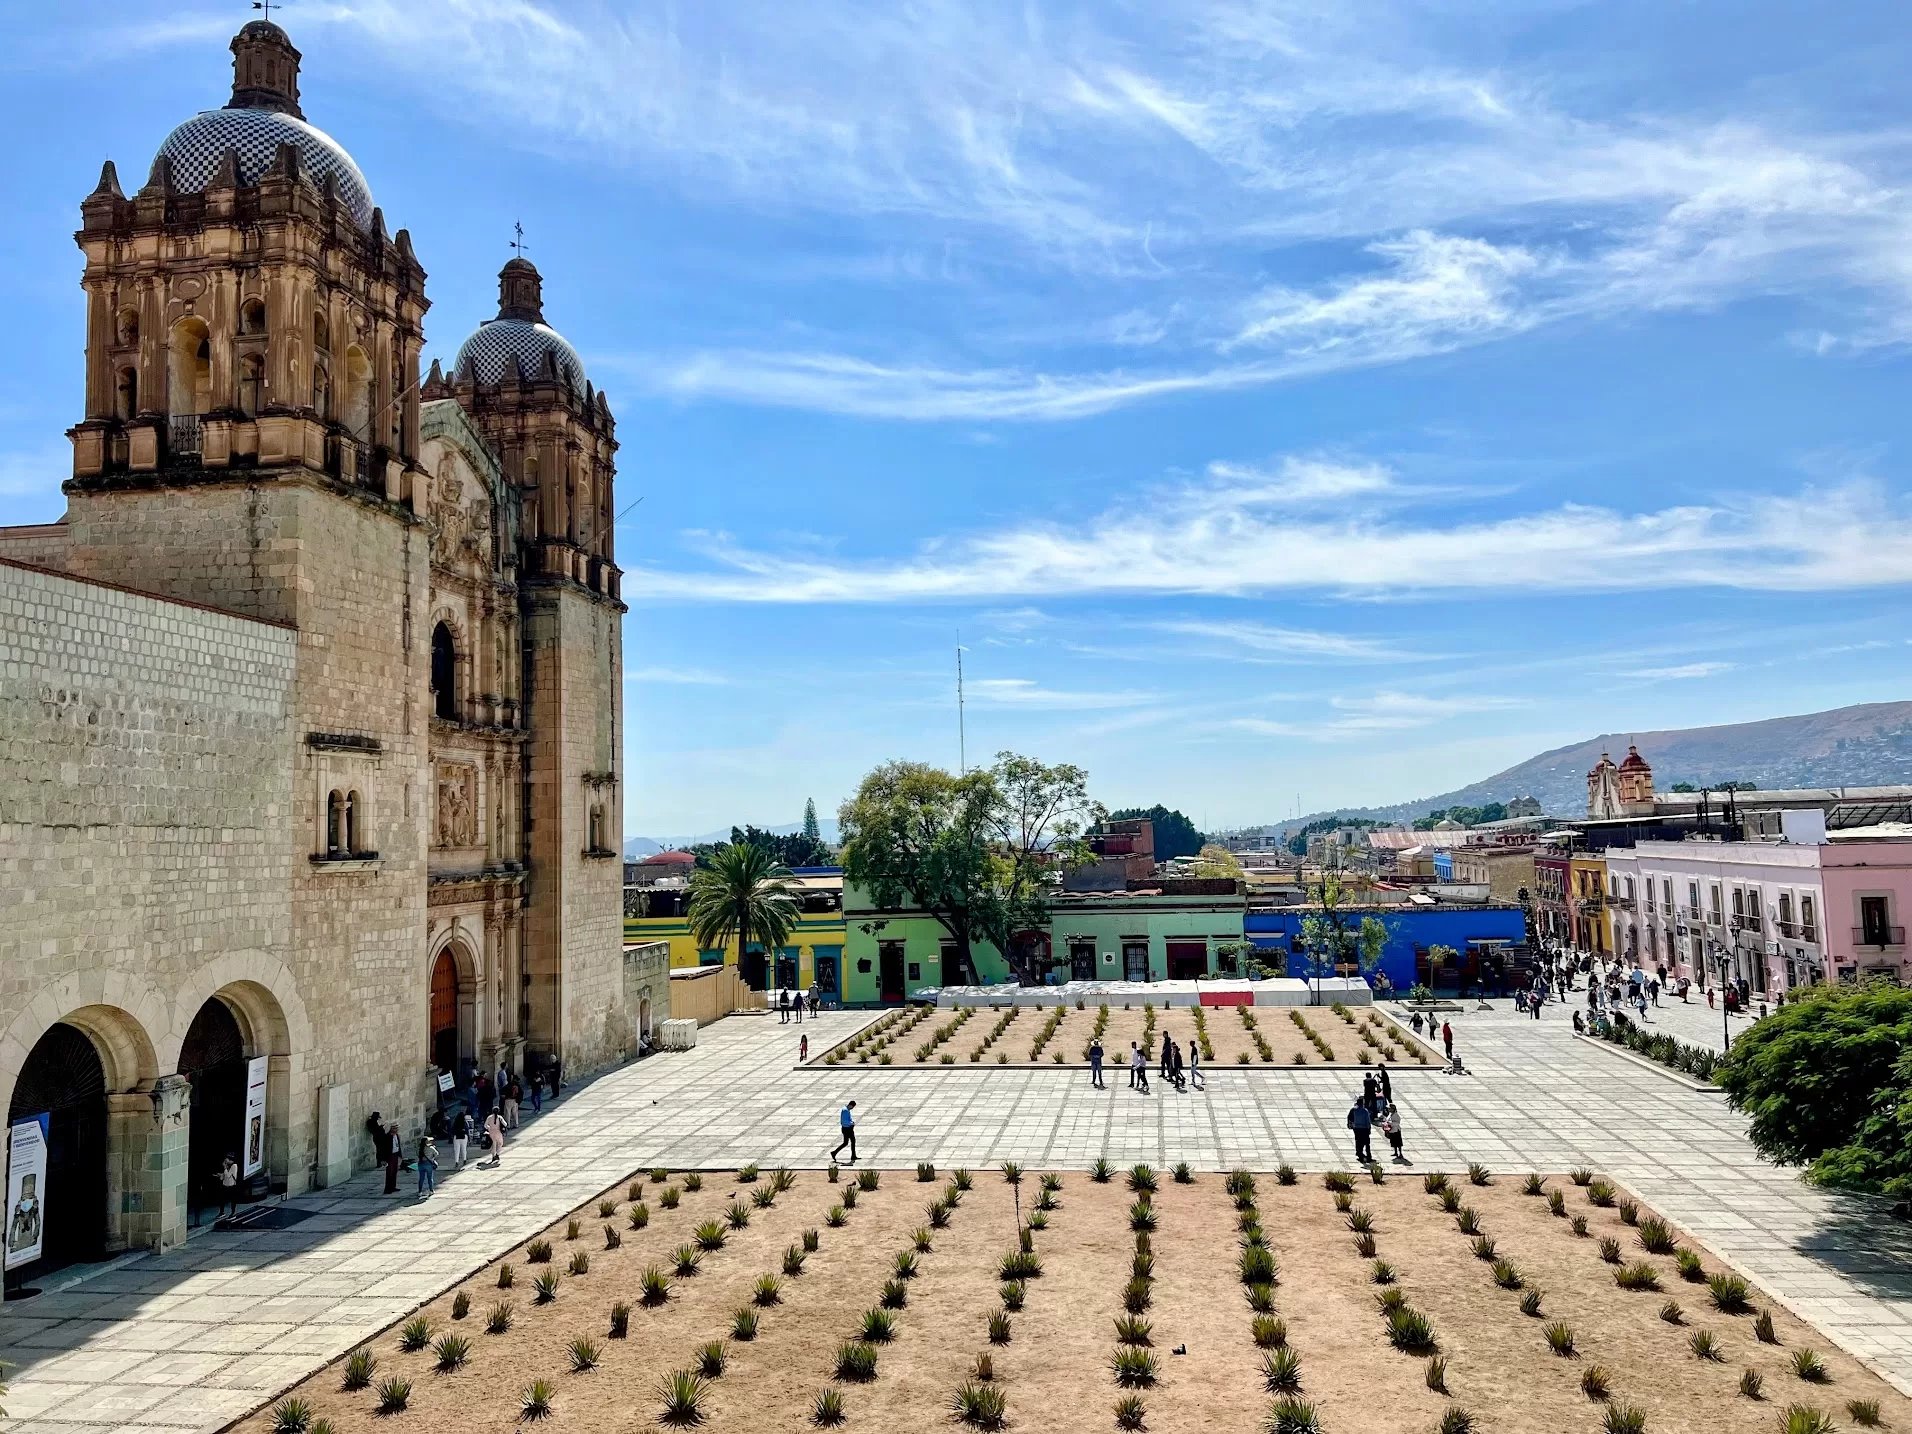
(266, 6)
(517, 240)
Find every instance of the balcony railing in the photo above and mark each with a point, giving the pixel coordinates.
(183, 435)
(1746, 921)
(1878, 936)
(1796, 930)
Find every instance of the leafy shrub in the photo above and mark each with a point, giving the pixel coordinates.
(538, 1252)
(659, 1175)
(1257, 1266)
(394, 1394)
(669, 1196)
(1601, 1193)
(572, 1229)
(868, 1179)
(1629, 1213)
(1343, 1202)
(1338, 1181)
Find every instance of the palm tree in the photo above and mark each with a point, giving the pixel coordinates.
(744, 892)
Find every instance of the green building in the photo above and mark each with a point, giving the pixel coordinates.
(1170, 929)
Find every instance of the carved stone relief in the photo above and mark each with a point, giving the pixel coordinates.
(457, 822)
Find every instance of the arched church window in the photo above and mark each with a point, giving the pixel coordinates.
(252, 384)
(335, 837)
(597, 828)
(444, 673)
(252, 317)
(126, 391)
(358, 394)
(321, 334)
(322, 390)
(127, 328)
(354, 815)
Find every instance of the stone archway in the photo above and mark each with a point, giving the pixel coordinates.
(88, 1067)
(452, 1024)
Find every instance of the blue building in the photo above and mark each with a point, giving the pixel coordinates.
(1411, 930)
(1443, 866)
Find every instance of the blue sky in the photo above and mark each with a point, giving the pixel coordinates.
(1282, 403)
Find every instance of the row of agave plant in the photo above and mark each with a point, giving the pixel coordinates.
(1260, 1276)
(1134, 1363)
(979, 1401)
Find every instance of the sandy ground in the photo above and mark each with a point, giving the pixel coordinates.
(1055, 1370)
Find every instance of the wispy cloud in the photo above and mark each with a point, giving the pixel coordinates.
(1289, 642)
(1210, 538)
(1348, 718)
(678, 677)
(1027, 693)
(1680, 672)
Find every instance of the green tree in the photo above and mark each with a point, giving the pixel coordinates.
(1218, 861)
(980, 852)
(744, 892)
(1175, 834)
(811, 831)
(1684, 787)
(1827, 1082)
(1335, 933)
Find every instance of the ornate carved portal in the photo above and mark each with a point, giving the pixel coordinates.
(457, 822)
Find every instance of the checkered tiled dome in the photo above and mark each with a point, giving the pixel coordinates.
(198, 146)
(499, 343)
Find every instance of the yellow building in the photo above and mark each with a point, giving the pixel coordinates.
(813, 955)
(1587, 881)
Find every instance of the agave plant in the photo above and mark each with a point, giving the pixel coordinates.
(580, 1262)
(1292, 1416)
(763, 1197)
(743, 1324)
(767, 1291)
(1281, 1370)
(687, 1258)
(451, 1352)
(1261, 1298)
(538, 1252)
(1763, 1328)
(835, 1217)
(999, 1327)
(1506, 1275)
(1134, 1368)
(1637, 1276)
(669, 1197)
(1729, 1293)
(712, 1359)
(291, 1416)
(1596, 1381)
(1129, 1412)
(1557, 1204)
(1101, 1172)
(1410, 1331)
(855, 1362)
(1436, 1374)
(498, 1318)
(1656, 1236)
(1533, 1185)
(572, 1229)
(1478, 1174)
(415, 1334)
(545, 1287)
(1530, 1304)
(1285, 1174)
(710, 1235)
(737, 1216)
(878, 1327)
(1672, 1313)
(1864, 1412)
(620, 1320)
(981, 1406)
(461, 1304)
(654, 1287)
(394, 1394)
(1455, 1420)
(1559, 1337)
(1013, 1293)
(811, 1239)
(638, 1216)
(683, 1394)
(1801, 1419)
(1810, 1367)
(1624, 1419)
(826, 1410)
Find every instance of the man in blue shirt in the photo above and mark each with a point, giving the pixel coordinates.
(848, 1122)
(1361, 1122)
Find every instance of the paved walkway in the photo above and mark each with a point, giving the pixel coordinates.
(194, 1338)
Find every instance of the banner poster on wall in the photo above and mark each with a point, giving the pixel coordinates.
(255, 1146)
(26, 1190)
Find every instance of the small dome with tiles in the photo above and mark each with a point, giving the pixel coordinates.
(518, 343)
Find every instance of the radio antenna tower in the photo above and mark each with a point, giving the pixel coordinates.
(962, 733)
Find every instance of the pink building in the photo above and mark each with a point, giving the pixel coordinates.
(1867, 877)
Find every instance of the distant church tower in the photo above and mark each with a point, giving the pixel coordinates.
(1625, 790)
(524, 388)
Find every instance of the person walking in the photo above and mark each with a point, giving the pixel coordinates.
(1165, 1068)
(393, 1152)
(495, 1130)
(847, 1122)
(1387, 1084)
(427, 1165)
(1391, 1128)
(1362, 1124)
(1447, 1039)
(1095, 1063)
(229, 1184)
(1371, 1094)
(460, 1138)
(1138, 1069)
(514, 1094)
(537, 1097)
(783, 1008)
(803, 1047)
(796, 1007)
(1195, 1078)
(1175, 1066)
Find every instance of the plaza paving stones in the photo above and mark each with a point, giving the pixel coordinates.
(192, 1339)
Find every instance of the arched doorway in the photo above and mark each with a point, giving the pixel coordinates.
(213, 1058)
(444, 1014)
(64, 1080)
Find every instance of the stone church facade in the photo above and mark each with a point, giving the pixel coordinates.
(311, 705)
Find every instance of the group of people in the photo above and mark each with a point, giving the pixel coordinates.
(1375, 1106)
(487, 1107)
(1179, 1071)
(794, 1002)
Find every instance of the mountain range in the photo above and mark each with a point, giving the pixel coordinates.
(637, 848)
(1869, 745)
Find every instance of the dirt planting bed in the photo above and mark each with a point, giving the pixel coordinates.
(1144, 1309)
(1059, 1035)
